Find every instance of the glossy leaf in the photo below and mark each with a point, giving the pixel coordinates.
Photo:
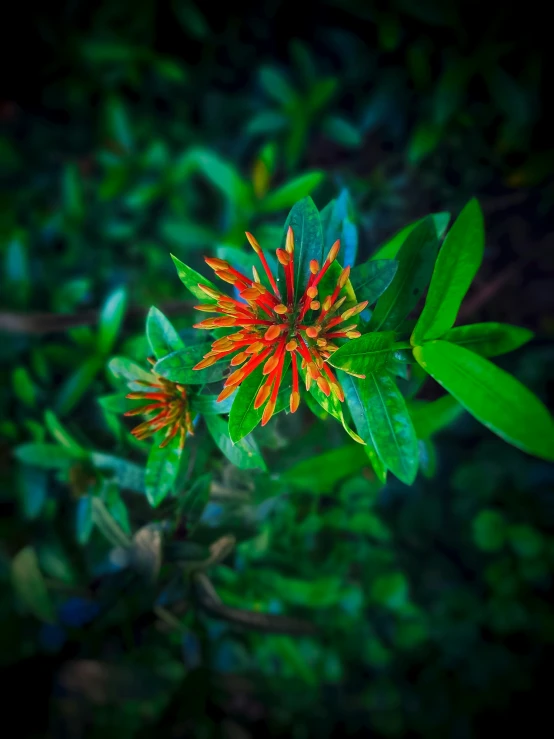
(490, 394)
(29, 585)
(390, 248)
(244, 454)
(208, 405)
(111, 318)
(308, 239)
(489, 339)
(162, 469)
(428, 418)
(390, 426)
(190, 279)
(178, 366)
(129, 373)
(415, 265)
(334, 407)
(162, 337)
(293, 190)
(355, 394)
(372, 278)
(243, 417)
(368, 353)
(457, 263)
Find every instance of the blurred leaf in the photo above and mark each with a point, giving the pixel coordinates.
(107, 525)
(194, 501)
(427, 458)
(33, 486)
(459, 258)
(208, 404)
(29, 585)
(17, 268)
(425, 139)
(293, 190)
(308, 239)
(415, 265)
(111, 318)
(277, 87)
(390, 425)
(45, 456)
(321, 472)
(191, 19)
(191, 279)
(390, 248)
(390, 590)
(368, 353)
(178, 366)
(428, 418)
(162, 337)
(372, 278)
(321, 93)
(84, 522)
(62, 436)
(129, 373)
(222, 174)
(266, 123)
(244, 454)
(146, 552)
(489, 339)
(493, 396)
(23, 386)
(127, 475)
(342, 132)
(489, 530)
(354, 393)
(162, 469)
(73, 204)
(525, 540)
(76, 384)
(118, 126)
(116, 403)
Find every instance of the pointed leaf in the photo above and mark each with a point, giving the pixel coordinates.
(428, 418)
(372, 278)
(244, 454)
(308, 240)
(390, 426)
(129, 372)
(190, 279)
(84, 522)
(29, 585)
(493, 396)
(107, 526)
(45, 456)
(291, 191)
(178, 366)
(355, 395)
(162, 337)
(111, 318)
(333, 406)
(459, 259)
(368, 353)
(62, 436)
(162, 469)
(489, 339)
(390, 249)
(415, 264)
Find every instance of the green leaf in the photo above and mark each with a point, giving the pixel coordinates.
(525, 540)
(308, 240)
(72, 192)
(24, 388)
(390, 590)
(372, 278)
(428, 418)
(194, 501)
(427, 458)
(320, 473)
(459, 259)
(291, 191)
(415, 264)
(390, 248)
(107, 525)
(320, 592)
(84, 522)
(129, 372)
(332, 405)
(368, 353)
(243, 417)
(45, 456)
(190, 279)
(162, 337)
(114, 403)
(355, 394)
(489, 530)
(222, 174)
(127, 475)
(277, 87)
(76, 384)
(162, 469)
(33, 489)
(178, 366)
(62, 436)
(244, 454)
(390, 426)
(493, 396)
(489, 339)
(29, 585)
(208, 405)
(111, 318)
(342, 132)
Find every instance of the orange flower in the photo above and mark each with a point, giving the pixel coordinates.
(272, 325)
(168, 401)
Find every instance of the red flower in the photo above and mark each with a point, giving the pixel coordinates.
(168, 401)
(270, 325)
